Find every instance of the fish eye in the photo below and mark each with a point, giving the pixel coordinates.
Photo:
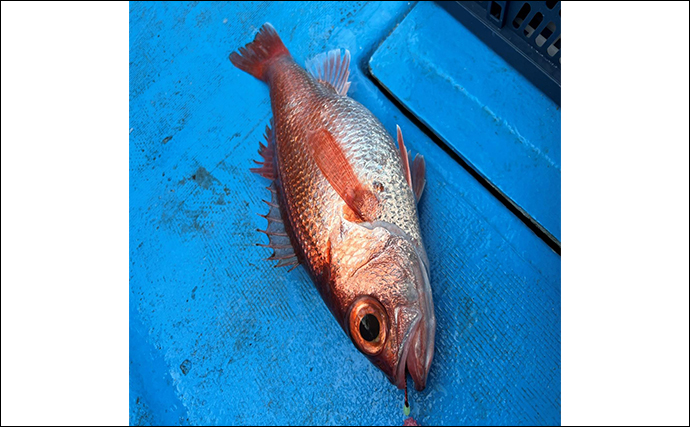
(368, 325)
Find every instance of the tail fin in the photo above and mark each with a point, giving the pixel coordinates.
(255, 57)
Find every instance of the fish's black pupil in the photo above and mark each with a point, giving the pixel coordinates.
(369, 327)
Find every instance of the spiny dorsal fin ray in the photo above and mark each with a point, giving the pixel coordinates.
(267, 152)
(278, 238)
(331, 68)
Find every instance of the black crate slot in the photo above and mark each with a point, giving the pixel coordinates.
(522, 14)
(554, 48)
(533, 24)
(545, 34)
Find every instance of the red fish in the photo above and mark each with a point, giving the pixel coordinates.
(344, 205)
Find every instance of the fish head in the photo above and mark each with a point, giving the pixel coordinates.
(387, 305)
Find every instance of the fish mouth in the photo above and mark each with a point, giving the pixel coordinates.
(415, 358)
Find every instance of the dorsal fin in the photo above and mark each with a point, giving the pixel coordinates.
(267, 153)
(278, 238)
(331, 160)
(414, 174)
(331, 68)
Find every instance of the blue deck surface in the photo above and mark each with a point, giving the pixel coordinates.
(219, 336)
(493, 117)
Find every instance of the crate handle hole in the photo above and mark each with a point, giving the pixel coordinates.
(554, 48)
(522, 14)
(545, 34)
(495, 10)
(533, 24)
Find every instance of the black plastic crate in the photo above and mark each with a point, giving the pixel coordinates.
(527, 34)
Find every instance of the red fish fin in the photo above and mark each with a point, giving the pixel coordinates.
(414, 174)
(331, 68)
(331, 160)
(418, 176)
(404, 156)
(267, 152)
(278, 238)
(255, 57)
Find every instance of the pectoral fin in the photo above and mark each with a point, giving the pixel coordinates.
(331, 160)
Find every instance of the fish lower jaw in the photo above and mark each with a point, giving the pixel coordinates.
(401, 371)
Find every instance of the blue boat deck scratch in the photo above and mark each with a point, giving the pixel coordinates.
(219, 336)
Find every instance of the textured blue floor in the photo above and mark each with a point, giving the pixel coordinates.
(218, 336)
